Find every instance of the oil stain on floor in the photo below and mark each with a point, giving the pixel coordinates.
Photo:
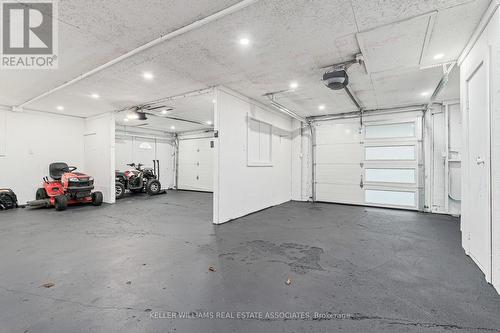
(300, 258)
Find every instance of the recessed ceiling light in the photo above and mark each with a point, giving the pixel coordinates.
(125, 120)
(164, 111)
(438, 56)
(133, 116)
(172, 127)
(425, 93)
(294, 85)
(209, 122)
(60, 107)
(148, 75)
(321, 107)
(94, 96)
(244, 41)
(214, 101)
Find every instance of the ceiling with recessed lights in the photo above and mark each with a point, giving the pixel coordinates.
(179, 115)
(271, 45)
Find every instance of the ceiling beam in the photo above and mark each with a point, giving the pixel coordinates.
(193, 93)
(283, 109)
(355, 114)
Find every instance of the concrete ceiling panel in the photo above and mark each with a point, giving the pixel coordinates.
(449, 24)
(375, 13)
(94, 32)
(405, 87)
(290, 40)
(394, 46)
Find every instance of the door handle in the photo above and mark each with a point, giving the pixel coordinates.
(479, 161)
(361, 184)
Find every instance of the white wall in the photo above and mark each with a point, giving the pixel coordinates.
(34, 140)
(486, 50)
(99, 153)
(3, 137)
(240, 189)
(495, 149)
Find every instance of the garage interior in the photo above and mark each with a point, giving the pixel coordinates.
(177, 133)
(332, 163)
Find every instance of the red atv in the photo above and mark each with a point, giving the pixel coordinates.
(66, 188)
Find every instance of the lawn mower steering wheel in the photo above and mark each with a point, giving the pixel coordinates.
(69, 169)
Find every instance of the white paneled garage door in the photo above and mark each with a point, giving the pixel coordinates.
(376, 164)
(196, 158)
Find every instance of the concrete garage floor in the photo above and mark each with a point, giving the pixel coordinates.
(116, 266)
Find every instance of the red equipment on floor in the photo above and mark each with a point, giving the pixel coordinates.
(67, 187)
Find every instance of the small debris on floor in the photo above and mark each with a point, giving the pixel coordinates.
(143, 264)
(212, 269)
(288, 281)
(48, 285)
(128, 282)
(148, 310)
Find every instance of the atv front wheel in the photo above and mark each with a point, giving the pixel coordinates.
(119, 190)
(61, 202)
(41, 194)
(153, 187)
(97, 198)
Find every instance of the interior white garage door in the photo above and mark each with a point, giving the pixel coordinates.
(376, 164)
(196, 159)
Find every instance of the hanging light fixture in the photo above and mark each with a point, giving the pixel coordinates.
(137, 115)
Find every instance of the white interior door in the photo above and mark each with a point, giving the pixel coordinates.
(479, 169)
(195, 170)
(165, 156)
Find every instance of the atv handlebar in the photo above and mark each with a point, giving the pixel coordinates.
(138, 166)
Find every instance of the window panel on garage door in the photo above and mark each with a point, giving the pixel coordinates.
(391, 165)
(391, 175)
(394, 130)
(391, 198)
(390, 153)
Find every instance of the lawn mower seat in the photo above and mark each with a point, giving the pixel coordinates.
(56, 170)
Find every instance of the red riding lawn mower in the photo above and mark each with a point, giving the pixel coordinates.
(67, 187)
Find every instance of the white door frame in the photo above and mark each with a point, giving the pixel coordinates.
(466, 227)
